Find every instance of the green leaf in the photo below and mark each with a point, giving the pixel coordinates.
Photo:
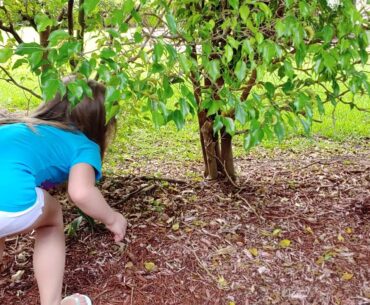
(213, 69)
(320, 105)
(57, 36)
(128, 6)
(280, 28)
(85, 68)
(217, 124)
(213, 108)
(300, 102)
(364, 56)
(35, 60)
(289, 3)
(184, 107)
(265, 9)
(75, 93)
(270, 88)
(304, 9)
(90, 5)
(288, 69)
(248, 142)
(229, 125)
(19, 62)
(240, 70)
(184, 63)
(171, 23)
(240, 113)
(111, 112)
(138, 37)
(244, 12)
(157, 52)
(327, 33)
(28, 48)
(298, 35)
(43, 22)
(50, 88)
(279, 130)
(300, 55)
(178, 119)
(306, 125)
(268, 51)
(5, 54)
(107, 53)
(228, 54)
(259, 37)
(234, 4)
(329, 61)
(112, 95)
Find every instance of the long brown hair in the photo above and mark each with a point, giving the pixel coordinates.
(88, 116)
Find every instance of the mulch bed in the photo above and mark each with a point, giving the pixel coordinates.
(295, 231)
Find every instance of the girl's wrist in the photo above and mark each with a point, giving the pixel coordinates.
(111, 219)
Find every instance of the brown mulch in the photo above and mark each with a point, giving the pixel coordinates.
(296, 231)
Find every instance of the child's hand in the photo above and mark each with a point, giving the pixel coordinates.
(118, 226)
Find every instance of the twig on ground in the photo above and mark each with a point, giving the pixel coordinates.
(252, 208)
(143, 189)
(201, 264)
(171, 180)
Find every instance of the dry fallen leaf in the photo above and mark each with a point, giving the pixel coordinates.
(285, 243)
(346, 276)
(253, 251)
(340, 237)
(276, 232)
(222, 283)
(175, 226)
(308, 230)
(129, 265)
(150, 266)
(17, 276)
(349, 230)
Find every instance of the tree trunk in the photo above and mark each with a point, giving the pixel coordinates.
(44, 41)
(202, 115)
(227, 155)
(210, 147)
(82, 23)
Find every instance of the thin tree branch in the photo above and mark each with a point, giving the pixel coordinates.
(82, 23)
(250, 84)
(10, 79)
(10, 29)
(70, 17)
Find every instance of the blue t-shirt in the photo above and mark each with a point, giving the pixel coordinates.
(41, 154)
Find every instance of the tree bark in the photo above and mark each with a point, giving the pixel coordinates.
(82, 23)
(227, 155)
(202, 116)
(70, 17)
(44, 41)
(207, 132)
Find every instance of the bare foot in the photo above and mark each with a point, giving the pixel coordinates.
(75, 299)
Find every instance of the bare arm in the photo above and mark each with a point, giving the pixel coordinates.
(86, 196)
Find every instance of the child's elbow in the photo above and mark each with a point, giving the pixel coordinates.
(79, 196)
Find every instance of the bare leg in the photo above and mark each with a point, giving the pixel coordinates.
(49, 252)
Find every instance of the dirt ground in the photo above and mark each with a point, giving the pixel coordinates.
(295, 230)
